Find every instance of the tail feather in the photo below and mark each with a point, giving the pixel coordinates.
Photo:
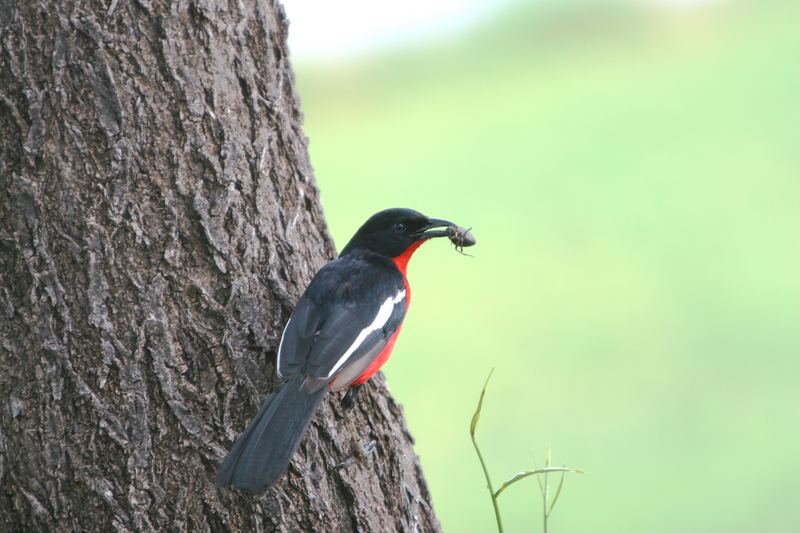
(261, 455)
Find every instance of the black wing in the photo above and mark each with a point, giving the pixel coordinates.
(344, 319)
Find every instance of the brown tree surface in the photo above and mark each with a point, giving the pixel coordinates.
(158, 219)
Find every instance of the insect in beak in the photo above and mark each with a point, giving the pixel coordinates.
(460, 237)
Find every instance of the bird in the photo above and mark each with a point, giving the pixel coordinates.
(341, 332)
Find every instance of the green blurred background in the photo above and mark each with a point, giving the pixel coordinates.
(632, 175)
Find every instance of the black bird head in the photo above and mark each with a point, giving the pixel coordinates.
(393, 231)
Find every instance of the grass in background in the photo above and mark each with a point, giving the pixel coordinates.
(540, 473)
(632, 179)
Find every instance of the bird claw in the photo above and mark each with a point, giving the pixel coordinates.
(360, 452)
(368, 449)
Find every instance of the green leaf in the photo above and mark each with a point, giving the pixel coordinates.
(558, 492)
(538, 479)
(522, 475)
(474, 424)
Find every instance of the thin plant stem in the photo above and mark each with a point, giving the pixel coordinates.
(472, 430)
(544, 503)
(546, 490)
(544, 486)
(491, 488)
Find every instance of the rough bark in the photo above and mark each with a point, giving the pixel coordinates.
(158, 218)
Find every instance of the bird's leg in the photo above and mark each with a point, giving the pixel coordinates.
(350, 396)
(359, 452)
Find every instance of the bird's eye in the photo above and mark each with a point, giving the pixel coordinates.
(399, 227)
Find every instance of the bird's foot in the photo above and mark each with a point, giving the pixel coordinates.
(359, 452)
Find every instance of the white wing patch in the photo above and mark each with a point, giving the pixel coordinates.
(280, 347)
(380, 320)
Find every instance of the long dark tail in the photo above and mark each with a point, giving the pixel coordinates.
(261, 455)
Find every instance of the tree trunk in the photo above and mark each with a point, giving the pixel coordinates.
(158, 219)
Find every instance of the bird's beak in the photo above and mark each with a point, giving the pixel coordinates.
(428, 231)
